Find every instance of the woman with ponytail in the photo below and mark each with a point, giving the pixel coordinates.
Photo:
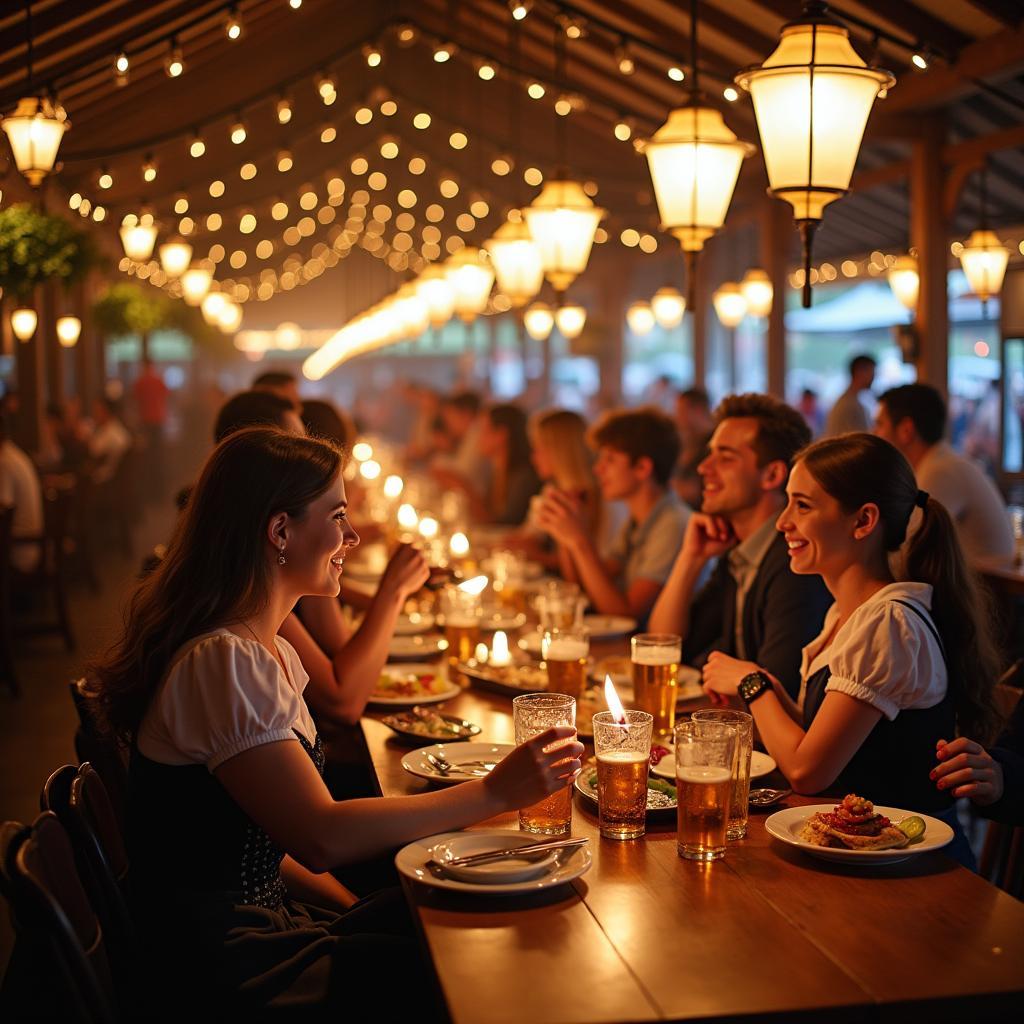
(898, 664)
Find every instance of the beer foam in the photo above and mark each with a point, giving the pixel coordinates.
(566, 649)
(622, 756)
(657, 655)
(706, 775)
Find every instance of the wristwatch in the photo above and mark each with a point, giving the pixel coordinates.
(752, 686)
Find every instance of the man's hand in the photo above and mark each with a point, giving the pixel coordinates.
(706, 537)
(560, 515)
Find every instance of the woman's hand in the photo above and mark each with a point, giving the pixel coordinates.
(560, 514)
(406, 572)
(722, 675)
(965, 768)
(531, 772)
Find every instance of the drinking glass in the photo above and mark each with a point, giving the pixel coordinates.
(743, 723)
(623, 752)
(461, 623)
(560, 605)
(534, 713)
(507, 576)
(565, 653)
(655, 659)
(705, 753)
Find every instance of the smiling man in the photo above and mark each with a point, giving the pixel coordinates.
(753, 607)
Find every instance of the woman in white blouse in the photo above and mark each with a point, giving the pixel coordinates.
(898, 664)
(231, 830)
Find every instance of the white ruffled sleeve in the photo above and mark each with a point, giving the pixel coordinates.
(888, 659)
(224, 696)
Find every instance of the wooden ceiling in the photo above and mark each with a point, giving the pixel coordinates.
(975, 82)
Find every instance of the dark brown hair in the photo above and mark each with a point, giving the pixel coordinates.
(216, 569)
(858, 469)
(781, 430)
(323, 419)
(639, 433)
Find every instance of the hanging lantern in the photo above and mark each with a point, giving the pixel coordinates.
(212, 306)
(668, 307)
(570, 320)
(640, 318)
(812, 97)
(517, 262)
(730, 305)
(904, 281)
(562, 221)
(436, 291)
(195, 283)
(758, 292)
(412, 310)
(539, 321)
(229, 316)
(138, 240)
(175, 257)
(984, 260)
(23, 323)
(68, 330)
(35, 130)
(469, 273)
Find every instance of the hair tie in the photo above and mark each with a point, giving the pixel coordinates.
(922, 499)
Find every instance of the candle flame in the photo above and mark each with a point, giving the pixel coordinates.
(499, 649)
(481, 653)
(611, 698)
(473, 586)
(429, 527)
(407, 517)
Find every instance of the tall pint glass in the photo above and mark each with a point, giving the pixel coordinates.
(705, 755)
(655, 659)
(565, 654)
(739, 799)
(532, 714)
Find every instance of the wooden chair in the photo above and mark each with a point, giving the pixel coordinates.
(7, 673)
(66, 974)
(107, 757)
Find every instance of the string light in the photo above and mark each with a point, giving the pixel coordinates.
(624, 59)
(216, 188)
(535, 91)
(284, 161)
(233, 24)
(458, 140)
(247, 171)
(676, 74)
(238, 132)
(485, 71)
(421, 120)
(443, 52)
(148, 169)
(520, 8)
(197, 147)
(121, 66)
(105, 179)
(623, 130)
(563, 106)
(328, 133)
(181, 204)
(364, 115)
(389, 108)
(294, 4)
(174, 65)
(373, 56)
(730, 94)
(284, 110)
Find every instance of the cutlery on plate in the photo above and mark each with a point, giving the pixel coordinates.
(767, 797)
(445, 768)
(514, 851)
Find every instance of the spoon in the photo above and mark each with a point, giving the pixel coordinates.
(767, 797)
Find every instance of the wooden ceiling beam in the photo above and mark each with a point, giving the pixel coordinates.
(1008, 12)
(918, 24)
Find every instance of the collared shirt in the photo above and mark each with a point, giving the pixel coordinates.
(744, 560)
(19, 486)
(647, 550)
(847, 415)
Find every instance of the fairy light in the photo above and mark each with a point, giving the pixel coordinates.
(443, 52)
(284, 161)
(421, 120)
(247, 171)
(148, 169)
(238, 132)
(535, 91)
(364, 115)
(197, 147)
(216, 188)
(373, 56)
(486, 72)
(174, 65)
(676, 74)
(284, 110)
(233, 24)
(105, 179)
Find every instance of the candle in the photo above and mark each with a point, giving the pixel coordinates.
(459, 545)
(393, 486)
(474, 586)
(500, 655)
(612, 700)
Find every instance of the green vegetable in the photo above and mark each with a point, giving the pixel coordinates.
(912, 828)
(662, 787)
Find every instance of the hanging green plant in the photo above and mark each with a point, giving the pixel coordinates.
(127, 308)
(36, 247)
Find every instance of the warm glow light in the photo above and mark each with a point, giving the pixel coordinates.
(459, 545)
(640, 317)
(393, 486)
(138, 241)
(904, 281)
(175, 256)
(35, 130)
(195, 283)
(23, 323)
(562, 221)
(730, 305)
(470, 274)
(474, 586)
(517, 262)
(611, 698)
(570, 320)
(500, 654)
(407, 517)
(212, 306)
(668, 306)
(434, 288)
(758, 292)
(238, 133)
(68, 330)
(443, 52)
(370, 469)
(229, 316)
(539, 321)
(284, 111)
(984, 260)
(429, 527)
(361, 451)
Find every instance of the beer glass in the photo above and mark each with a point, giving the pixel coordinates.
(623, 752)
(655, 658)
(705, 753)
(532, 714)
(565, 653)
(743, 723)
(507, 573)
(560, 605)
(461, 624)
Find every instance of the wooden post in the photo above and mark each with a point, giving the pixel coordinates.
(46, 333)
(928, 236)
(85, 358)
(698, 320)
(31, 379)
(776, 240)
(614, 294)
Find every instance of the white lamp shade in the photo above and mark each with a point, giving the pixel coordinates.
(905, 281)
(23, 323)
(570, 320)
(517, 262)
(758, 292)
(470, 274)
(175, 256)
(730, 306)
(35, 130)
(668, 306)
(539, 321)
(562, 221)
(694, 160)
(436, 291)
(984, 260)
(195, 283)
(68, 330)
(810, 164)
(229, 317)
(138, 241)
(212, 306)
(640, 317)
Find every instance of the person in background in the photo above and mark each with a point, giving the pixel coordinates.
(110, 440)
(695, 423)
(899, 664)
(752, 605)
(849, 412)
(256, 408)
(662, 393)
(427, 436)
(21, 490)
(324, 419)
(151, 395)
(636, 451)
(49, 456)
(810, 409)
(466, 468)
(913, 418)
(280, 382)
(506, 446)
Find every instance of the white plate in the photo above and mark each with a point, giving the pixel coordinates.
(495, 872)
(410, 625)
(416, 763)
(413, 862)
(502, 620)
(416, 646)
(786, 825)
(604, 626)
(760, 765)
(402, 671)
(687, 688)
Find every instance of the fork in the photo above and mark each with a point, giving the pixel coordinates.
(445, 768)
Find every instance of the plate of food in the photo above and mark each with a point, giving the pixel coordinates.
(511, 680)
(449, 763)
(404, 685)
(856, 831)
(603, 627)
(760, 765)
(419, 725)
(422, 645)
(414, 623)
(661, 795)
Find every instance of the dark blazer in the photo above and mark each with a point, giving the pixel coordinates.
(783, 612)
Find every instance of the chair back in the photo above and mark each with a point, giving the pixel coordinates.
(7, 673)
(58, 499)
(52, 914)
(105, 754)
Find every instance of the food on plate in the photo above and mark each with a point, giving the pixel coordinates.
(657, 753)
(660, 786)
(424, 722)
(853, 824)
(526, 677)
(409, 684)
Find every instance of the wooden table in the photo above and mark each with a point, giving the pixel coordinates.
(647, 936)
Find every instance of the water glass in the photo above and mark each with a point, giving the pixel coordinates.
(743, 724)
(623, 752)
(705, 754)
(532, 714)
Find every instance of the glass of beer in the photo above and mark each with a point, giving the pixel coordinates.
(560, 605)
(743, 724)
(623, 752)
(534, 713)
(705, 754)
(655, 658)
(461, 623)
(565, 653)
